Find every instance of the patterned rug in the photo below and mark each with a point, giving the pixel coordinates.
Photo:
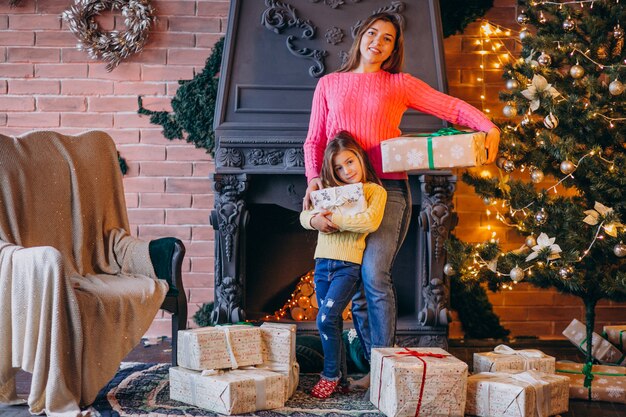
(142, 389)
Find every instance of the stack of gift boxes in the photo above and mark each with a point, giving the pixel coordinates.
(236, 369)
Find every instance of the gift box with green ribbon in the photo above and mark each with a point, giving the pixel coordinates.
(616, 335)
(601, 349)
(446, 148)
(594, 382)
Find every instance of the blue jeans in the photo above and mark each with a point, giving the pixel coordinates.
(335, 283)
(374, 307)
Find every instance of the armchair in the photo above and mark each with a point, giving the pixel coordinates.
(77, 292)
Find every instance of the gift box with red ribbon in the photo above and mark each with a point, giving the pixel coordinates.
(506, 359)
(417, 382)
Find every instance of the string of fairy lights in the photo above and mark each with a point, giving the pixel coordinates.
(492, 36)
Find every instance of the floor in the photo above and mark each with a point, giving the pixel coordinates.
(464, 350)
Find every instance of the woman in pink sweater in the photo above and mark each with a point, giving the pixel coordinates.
(367, 97)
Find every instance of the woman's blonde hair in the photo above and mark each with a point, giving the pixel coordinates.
(344, 141)
(394, 63)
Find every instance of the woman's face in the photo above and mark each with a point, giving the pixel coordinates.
(377, 43)
(347, 167)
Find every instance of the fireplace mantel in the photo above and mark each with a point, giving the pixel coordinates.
(274, 53)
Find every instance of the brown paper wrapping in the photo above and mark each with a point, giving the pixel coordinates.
(515, 361)
(617, 336)
(278, 344)
(601, 349)
(397, 380)
(219, 347)
(229, 392)
(608, 384)
(411, 153)
(516, 395)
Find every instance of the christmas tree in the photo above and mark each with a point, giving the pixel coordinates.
(565, 128)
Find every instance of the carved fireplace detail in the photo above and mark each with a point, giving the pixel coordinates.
(275, 51)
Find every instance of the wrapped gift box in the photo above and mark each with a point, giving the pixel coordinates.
(406, 153)
(219, 347)
(405, 385)
(346, 199)
(616, 335)
(505, 359)
(228, 392)
(608, 384)
(601, 349)
(522, 394)
(278, 342)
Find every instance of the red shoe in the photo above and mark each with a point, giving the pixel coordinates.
(324, 388)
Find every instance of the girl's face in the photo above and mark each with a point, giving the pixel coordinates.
(377, 43)
(347, 167)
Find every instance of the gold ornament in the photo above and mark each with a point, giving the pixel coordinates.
(517, 274)
(567, 167)
(618, 32)
(551, 121)
(448, 270)
(619, 250)
(512, 84)
(509, 110)
(616, 87)
(536, 176)
(577, 71)
(544, 59)
(530, 241)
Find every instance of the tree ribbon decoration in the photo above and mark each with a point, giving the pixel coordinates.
(419, 356)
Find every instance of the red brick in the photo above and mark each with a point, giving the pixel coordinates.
(34, 120)
(4, 22)
(519, 298)
(86, 87)
(191, 185)
(149, 56)
(512, 313)
(34, 87)
(203, 169)
(158, 200)
(175, 8)
(146, 216)
(61, 71)
(187, 153)
(138, 152)
(17, 70)
(166, 169)
(200, 295)
(153, 185)
(73, 55)
(187, 216)
(205, 201)
(154, 137)
(201, 248)
(609, 313)
(213, 8)
(131, 120)
(202, 264)
(87, 120)
(17, 103)
(124, 136)
(112, 104)
(139, 88)
(61, 103)
(23, 54)
(159, 328)
(166, 73)
(157, 103)
(199, 232)
(50, 38)
(132, 200)
(172, 88)
(198, 280)
(553, 313)
(3, 121)
(148, 231)
(51, 6)
(528, 328)
(194, 24)
(171, 40)
(3, 86)
(124, 72)
(207, 40)
(194, 56)
(37, 22)
(14, 38)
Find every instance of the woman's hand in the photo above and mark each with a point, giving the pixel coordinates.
(314, 184)
(491, 143)
(322, 222)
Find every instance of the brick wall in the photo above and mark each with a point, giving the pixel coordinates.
(45, 83)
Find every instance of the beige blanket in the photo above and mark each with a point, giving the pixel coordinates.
(77, 292)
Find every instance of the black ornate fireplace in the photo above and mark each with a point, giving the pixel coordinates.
(275, 51)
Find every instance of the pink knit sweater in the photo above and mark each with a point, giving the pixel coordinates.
(370, 106)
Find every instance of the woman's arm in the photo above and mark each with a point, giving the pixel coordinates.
(316, 138)
(369, 220)
(426, 99)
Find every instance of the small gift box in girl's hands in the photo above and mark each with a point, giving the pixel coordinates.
(411, 382)
(505, 359)
(446, 148)
(346, 199)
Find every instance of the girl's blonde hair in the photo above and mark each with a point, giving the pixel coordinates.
(394, 63)
(344, 141)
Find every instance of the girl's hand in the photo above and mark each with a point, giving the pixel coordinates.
(314, 184)
(322, 222)
(491, 143)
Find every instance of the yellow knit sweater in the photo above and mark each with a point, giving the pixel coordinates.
(348, 243)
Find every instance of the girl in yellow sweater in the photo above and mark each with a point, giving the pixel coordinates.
(340, 247)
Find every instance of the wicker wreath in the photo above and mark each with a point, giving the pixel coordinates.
(111, 47)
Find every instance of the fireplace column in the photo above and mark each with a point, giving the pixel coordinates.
(229, 219)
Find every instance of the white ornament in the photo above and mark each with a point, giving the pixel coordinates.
(536, 176)
(569, 24)
(448, 270)
(567, 167)
(550, 121)
(524, 33)
(509, 165)
(537, 86)
(522, 18)
(509, 110)
(512, 84)
(544, 242)
(541, 217)
(517, 274)
(620, 250)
